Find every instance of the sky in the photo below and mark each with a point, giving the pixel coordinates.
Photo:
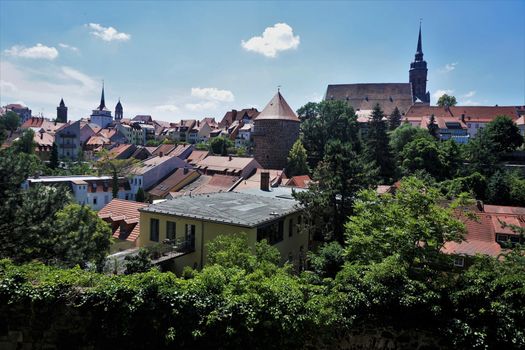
(181, 60)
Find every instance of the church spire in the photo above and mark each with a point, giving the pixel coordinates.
(102, 100)
(419, 51)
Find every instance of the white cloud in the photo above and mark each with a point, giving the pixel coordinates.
(469, 94)
(438, 93)
(108, 33)
(69, 47)
(78, 76)
(449, 67)
(167, 108)
(274, 39)
(470, 103)
(6, 87)
(37, 51)
(213, 94)
(200, 106)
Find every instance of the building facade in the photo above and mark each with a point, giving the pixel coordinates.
(189, 223)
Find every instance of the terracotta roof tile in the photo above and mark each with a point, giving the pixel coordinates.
(279, 109)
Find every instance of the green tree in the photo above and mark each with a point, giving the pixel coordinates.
(308, 111)
(377, 148)
(499, 189)
(25, 143)
(433, 128)
(328, 260)
(446, 100)
(140, 197)
(233, 251)
(10, 121)
(394, 121)
(337, 179)
(297, 160)
(335, 120)
(220, 145)
(440, 160)
(114, 185)
(504, 134)
(412, 224)
(141, 262)
(152, 143)
(475, 184)
(480, 153)
(403, 135)
(80, 237)
(53, 159)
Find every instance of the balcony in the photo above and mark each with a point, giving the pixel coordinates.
(170, 249)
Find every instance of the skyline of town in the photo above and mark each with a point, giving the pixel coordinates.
(182, 80)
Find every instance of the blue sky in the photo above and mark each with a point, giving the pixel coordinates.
(178, 60)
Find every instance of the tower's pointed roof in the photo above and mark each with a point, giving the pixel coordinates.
(62, 104)
(119, 105)
(102, 105)
(278, 109)
(419, 50)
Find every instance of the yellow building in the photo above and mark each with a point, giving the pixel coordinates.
(190, 222)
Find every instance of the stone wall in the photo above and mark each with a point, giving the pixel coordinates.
(273, 139)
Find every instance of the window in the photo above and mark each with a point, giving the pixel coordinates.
(459, 261)
(106, 199)
(154, 230)
(190, 236)
(502, 238)
(171, 229)
(94, 200)
(273, 232)
(290, 228)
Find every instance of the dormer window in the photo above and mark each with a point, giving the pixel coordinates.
(459, 261)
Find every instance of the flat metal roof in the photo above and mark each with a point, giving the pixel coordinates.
(233, 208)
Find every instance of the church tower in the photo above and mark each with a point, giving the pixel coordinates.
(101, 115)
(62, 112)
(119, 113)
(418, 74)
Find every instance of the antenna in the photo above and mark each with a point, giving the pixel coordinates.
(278, 88)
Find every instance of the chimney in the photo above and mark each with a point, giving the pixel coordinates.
(230, 158)
(463, 117)
(161, 154)
(185, 170)
(480, 206)
(265, 181)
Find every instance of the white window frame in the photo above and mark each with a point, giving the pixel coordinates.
(459, 261)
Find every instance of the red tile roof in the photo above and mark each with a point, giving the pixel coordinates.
(178, 178)
(480, 239)
(119, 210)
(278, 109)
(165, 149)
(501, 209)
(479, 114)
(300, 181)
(196, 156)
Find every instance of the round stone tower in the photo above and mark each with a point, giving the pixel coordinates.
(275, 130)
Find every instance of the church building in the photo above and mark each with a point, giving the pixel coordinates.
(101, 115)
(363, 97)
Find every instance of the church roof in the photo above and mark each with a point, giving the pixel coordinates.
(366, 96)
(278, 109)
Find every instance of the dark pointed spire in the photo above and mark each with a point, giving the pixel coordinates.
(62, 104)
(419, 51)
(102, 100)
